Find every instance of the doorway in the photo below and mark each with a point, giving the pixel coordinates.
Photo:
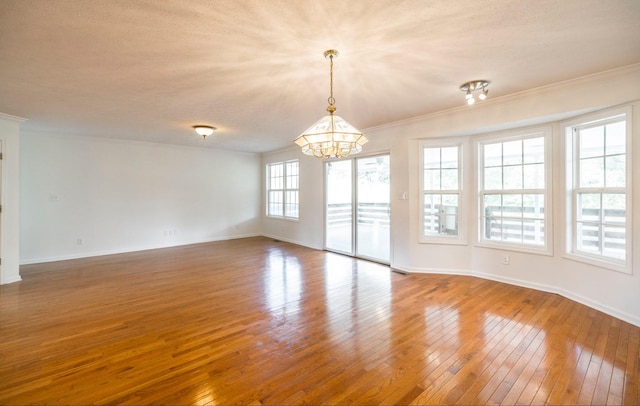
(357, 208)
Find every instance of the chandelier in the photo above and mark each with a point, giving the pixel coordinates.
(331, 136)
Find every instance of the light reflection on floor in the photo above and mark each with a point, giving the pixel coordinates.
(283, 284)
(349, 306)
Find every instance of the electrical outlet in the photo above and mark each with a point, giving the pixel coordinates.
(506, 260)
(80, 241)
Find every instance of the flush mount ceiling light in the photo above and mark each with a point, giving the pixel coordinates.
(470, 87)
(331, 136)
(204, 130)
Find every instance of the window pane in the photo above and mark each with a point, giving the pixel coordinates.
(512, 153)
(512, 205)
(614, 206)
(616, 138)
(592, 142)
(493, 228)
(513, 177)
(533, 206)
(431, 225)
(614, 241)
(432, 179)
(431, 158)
(450, 200)
(592, 172)
(449, 179)
(492, 155)
(292, 175)
(432, 204)
(441, 214)
(533, 150)
(449, 211)
(450, 157)
(275, 203)
(615, 171)
(432, 200)
(493, 178)
(511, 230)
(533, 231)
(589, 207)
(492, 205)
(291, 204)
(275, 176)
(534, 176)
(588, 237)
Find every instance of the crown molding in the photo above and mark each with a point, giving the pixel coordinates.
(9, 117)
(612, 74)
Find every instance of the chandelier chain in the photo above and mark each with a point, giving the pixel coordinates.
(331, 136)
(331, 100)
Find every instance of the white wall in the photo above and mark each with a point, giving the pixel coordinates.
(613, 292)
(10, 198)
(83, 196)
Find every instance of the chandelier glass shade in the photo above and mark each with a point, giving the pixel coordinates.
(331, 136)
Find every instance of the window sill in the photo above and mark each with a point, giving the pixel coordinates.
(443, 240)
(292, 219)
(612, 265)
(517, 248)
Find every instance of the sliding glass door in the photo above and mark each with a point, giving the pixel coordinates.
(339, 206)
(358, 208)
(373, 208)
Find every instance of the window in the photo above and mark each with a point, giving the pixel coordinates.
(599, 189)
(282, 189)
(513, 191)
(441, 198)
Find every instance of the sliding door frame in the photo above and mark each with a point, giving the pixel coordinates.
(354, 207)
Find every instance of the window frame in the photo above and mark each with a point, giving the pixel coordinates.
(573, 189)
(503, 137)
(284, 192)
(462, 237)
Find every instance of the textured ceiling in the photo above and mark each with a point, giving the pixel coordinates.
(148, 69)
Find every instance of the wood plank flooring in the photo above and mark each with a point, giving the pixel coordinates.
(255, 321)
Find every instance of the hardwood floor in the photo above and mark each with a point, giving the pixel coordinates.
(256, 321)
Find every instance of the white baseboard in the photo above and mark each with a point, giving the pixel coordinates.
(275, 237)
(11, 280)
(629, 318)
(133, 249)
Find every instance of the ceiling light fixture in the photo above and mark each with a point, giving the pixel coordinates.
(472, 86)
(331, 136)
(204, 130)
